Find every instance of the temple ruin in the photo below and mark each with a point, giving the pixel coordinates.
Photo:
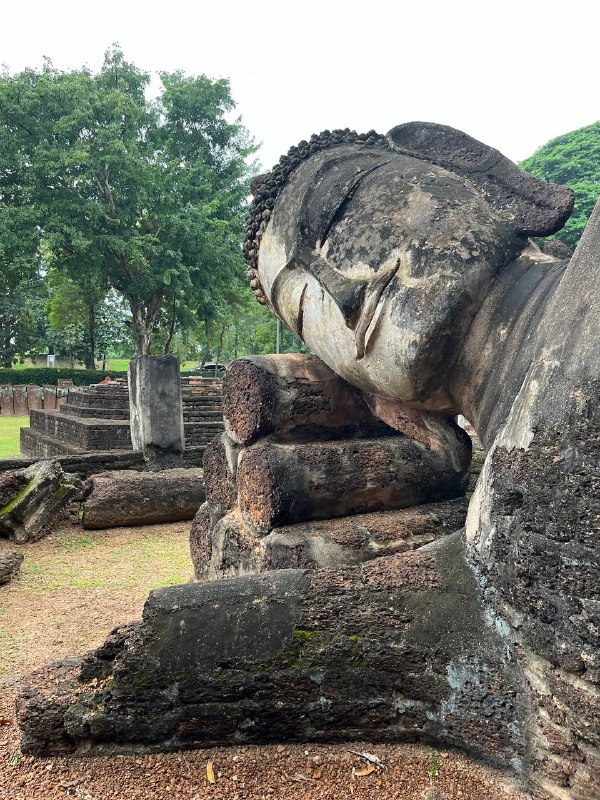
(405, 263)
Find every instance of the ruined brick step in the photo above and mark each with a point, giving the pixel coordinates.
(88, 434)
(201, 437)
(95, 412)
(197, 388)
(202, 427)
(208, 400)
(207, 428)
(198, 441)
(91, 399)
(205, 402)
(202, 416)
(194, 388)
(36, 444)
(203, 398)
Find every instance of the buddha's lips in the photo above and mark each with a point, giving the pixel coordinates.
(374, 291)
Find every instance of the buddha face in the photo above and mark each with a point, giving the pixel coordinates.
(379, 261)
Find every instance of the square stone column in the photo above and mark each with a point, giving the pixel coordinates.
(156, 411)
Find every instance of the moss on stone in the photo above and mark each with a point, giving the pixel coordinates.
(9, 506)
(303, 635)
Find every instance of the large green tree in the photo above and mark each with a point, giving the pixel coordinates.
(21, 284)
(147, 197)
(572, 160)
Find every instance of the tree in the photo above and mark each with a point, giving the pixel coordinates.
(74, 311)
(572, 160)
(21, 285)
(145, 196)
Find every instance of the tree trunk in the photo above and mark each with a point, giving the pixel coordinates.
(143, 320)
(220, 347)
(206, 352)
(7, 355)
(90, 360)
(126, 497)
(167, 348)
(140, 331)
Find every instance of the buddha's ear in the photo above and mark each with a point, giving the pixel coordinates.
(535, 207)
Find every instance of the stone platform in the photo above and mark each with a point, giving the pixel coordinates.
(97, 420)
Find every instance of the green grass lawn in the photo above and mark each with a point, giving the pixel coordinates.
(121, 364)
(115, 364)
(9, 435)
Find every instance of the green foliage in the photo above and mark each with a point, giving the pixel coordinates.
(147, 197)
(49, 376)
(434, 765)
(572, 160)
(22, 289)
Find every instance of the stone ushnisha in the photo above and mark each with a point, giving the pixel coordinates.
(406, 266)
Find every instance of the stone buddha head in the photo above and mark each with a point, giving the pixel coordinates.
(379, 251)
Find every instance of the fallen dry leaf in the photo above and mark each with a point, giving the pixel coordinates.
(299, 777)
(316, 773)
(362, 773)
(210, 773)
(369, 757)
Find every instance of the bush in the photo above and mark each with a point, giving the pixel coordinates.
(49, 376)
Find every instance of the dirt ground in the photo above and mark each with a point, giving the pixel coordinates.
(74, 587)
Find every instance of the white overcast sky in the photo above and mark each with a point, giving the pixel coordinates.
(513, 74)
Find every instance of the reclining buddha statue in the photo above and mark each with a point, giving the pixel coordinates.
(407, 264)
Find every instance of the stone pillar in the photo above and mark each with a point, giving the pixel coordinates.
(7, 408)
(156, 412)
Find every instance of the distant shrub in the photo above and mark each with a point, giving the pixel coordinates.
(49, 376)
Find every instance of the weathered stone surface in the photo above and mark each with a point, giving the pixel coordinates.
(534, 207)
(30, 498)
(295, 397)
(534, 527)
(406, 267)
(10, 563)
(353, 540)
(395, 649)
(223, 546)
(220, 472)
(21, 408)
(229, 546)
(281, 483)
(35, 397)
(366, 271)
(126, 497)
(156, 412)
(7, 407)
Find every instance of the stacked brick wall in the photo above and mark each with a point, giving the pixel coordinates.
(97, 420)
